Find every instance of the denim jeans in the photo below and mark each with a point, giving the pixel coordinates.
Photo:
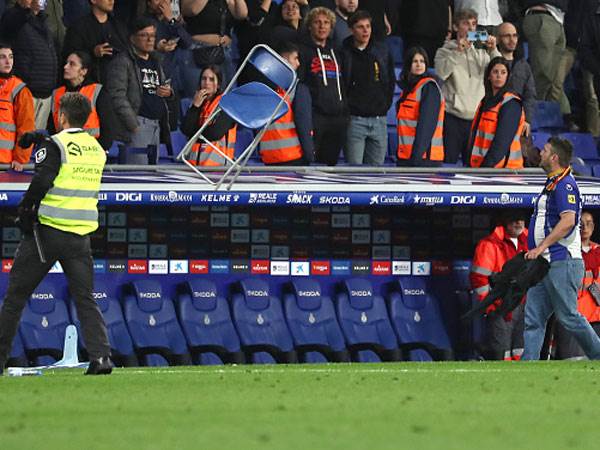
(557, 293)
(366, 140)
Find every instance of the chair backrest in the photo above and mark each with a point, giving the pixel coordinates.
(461, 269)
(151, 319)
(311, 318)
(416, 317)
(44, 321)
(363, 317)
(272, 66)
(258, 318)
(107, 300)
(584, 145)
(205, 319)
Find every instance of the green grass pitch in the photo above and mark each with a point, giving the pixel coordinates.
(545, 405)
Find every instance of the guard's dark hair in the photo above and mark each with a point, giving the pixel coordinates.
(361, 14)
(286, 47)
(563, 149)
(498, 60)
(5, 45)
(76, 107)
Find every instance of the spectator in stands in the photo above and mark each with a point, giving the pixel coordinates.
(368, 74)
(588, 301)
(75, 10)
(503, 337)
(543, 27)
(521, 78)
(498, 123)
(100, 34)
(16, 115)
(461, 64)
(209, 22)
(139, 90)
(488, 12)
(288, 141)
(56, 26)
(420, 113)
(221, 132)
(288, 24)
(321, 70)
(554, 235)
(425, 23)
(589, 48)
(77, 78)
(575, 18)
(35, 56)
(343, 10)
(171, 37)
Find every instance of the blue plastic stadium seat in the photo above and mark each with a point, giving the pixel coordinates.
(43, 324)
(596, 170)
(121, 345)
(539, 138)
(312, 321)
(153, 325)
(584, 145)
(185, 104)
(396, 46)
(207, 324)
(580, 167)
(417, 321)
(17, 356)
(259, 320)
(365, 322)
(547, 116)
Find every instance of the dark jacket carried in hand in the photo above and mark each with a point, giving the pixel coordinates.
(35, 56)
(511, 284)
(368, 77)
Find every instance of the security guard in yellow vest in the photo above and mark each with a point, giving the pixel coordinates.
(56, 215)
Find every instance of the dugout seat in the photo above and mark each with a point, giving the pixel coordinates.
(584, 146)
(365, 322)
(153, 325)
(121, 345)
(43, 324)
(313, 324)
(259, 320)
(206, 323)
(547, 116)
(16, 357)
(417, 321)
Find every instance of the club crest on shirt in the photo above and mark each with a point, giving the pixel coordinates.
(40, 155)
(571, 198)
(568, 187)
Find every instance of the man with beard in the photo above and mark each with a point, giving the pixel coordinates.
(343, 10)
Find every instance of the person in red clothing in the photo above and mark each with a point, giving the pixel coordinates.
(588, 299)
(16, 115)
(503, 335)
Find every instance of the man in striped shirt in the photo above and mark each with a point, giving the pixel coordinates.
(554, 234)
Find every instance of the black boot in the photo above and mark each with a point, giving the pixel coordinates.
(100, 366)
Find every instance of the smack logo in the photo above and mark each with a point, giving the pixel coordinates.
(299, 199)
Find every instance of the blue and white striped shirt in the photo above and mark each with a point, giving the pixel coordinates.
(548, 207)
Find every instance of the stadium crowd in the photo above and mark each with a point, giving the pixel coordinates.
(465, 92)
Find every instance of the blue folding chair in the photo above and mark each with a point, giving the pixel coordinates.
(253, 105)
(207, 324)
(312, 321)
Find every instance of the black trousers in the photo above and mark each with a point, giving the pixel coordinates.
(330, 137)
(504, 339)
(75, 256)
(456, 139)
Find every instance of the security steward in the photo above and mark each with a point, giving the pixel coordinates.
(56, 215)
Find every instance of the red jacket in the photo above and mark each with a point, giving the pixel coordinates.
(585, 302)
(490, 255)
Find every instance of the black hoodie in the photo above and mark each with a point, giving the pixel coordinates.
(320, 69)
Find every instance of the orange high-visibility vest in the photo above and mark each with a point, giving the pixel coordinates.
(8, 128)
(91, 92)
(486, 131)
(586, 304)
(408, 118)
(203, 154)
(280, 142)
